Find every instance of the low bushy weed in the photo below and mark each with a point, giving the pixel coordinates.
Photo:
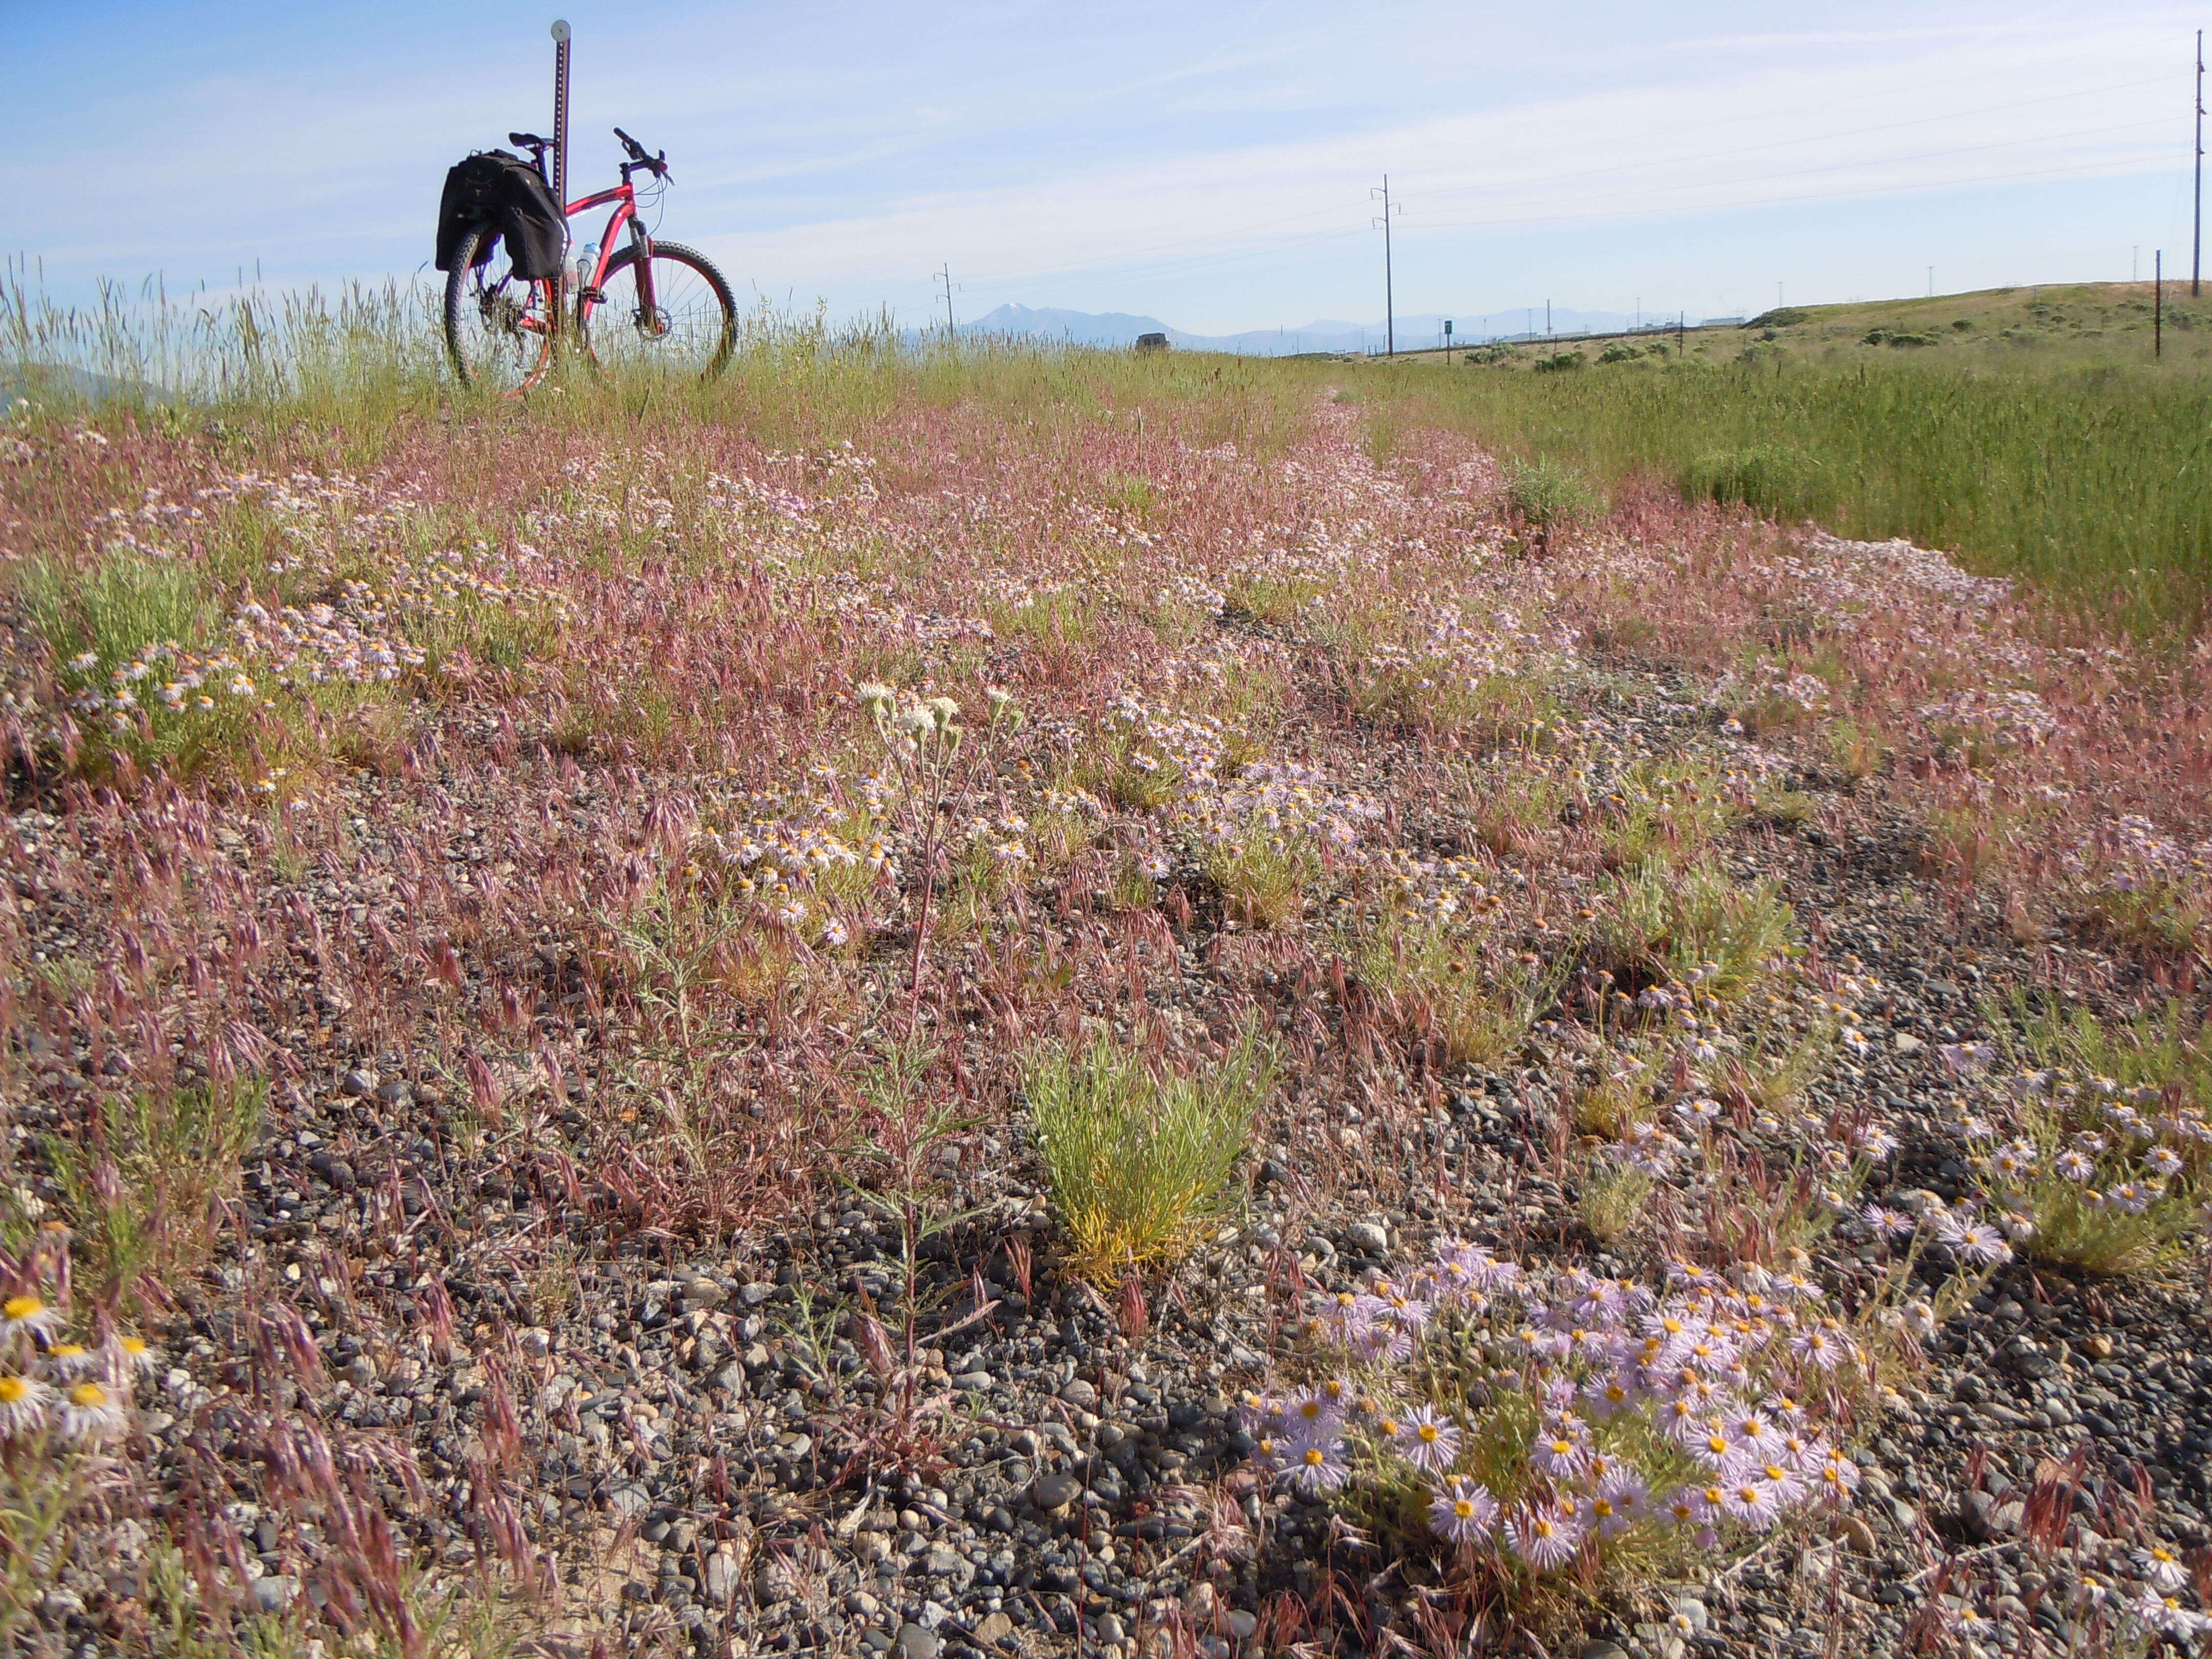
(1140, 1159)
(1701, 928)
(141, 1188)
(1444, 989)
(1666, 809)
(2093, 1150)
(1544, 494)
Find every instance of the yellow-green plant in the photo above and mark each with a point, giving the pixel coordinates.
(1666, 810)
(139, 1186)
(1264, 877)
(1433, 977)
(1702, 928)
(1140, 1159)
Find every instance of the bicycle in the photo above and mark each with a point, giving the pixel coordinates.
(503, 331)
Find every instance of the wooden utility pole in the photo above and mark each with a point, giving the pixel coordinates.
(2158, 304)
(2197, 226)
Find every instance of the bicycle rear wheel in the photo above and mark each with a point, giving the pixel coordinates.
(686, 332)
(499, 326)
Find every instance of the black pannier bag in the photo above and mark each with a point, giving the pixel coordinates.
(504, 192)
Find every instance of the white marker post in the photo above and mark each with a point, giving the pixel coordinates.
(561, 150)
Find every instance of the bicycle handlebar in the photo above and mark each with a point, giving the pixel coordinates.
(656, 165)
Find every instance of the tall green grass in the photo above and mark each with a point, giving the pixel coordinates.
(2094, 485)
(351, 365)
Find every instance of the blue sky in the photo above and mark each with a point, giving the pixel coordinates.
(1209, 164)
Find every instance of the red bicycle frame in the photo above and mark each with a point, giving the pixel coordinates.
(624, 197)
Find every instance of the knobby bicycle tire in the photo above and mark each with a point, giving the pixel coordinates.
(472, 326)
(705, 335)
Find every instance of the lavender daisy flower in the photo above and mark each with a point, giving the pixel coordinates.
(27, 1316)
(1756, 1429)
(2164, 1614)
(1463, 1512)
(1311, 1416)
(1316, 1467)
(1719, 1450)
(1754, 1504)
(1542, 1537)
(72, 1360)
(1836, 1477)
(1788, 1485)
(1681, 1421)
(2161, 1566)
(1980, 1244)
(1561, 1451)
(1428, 1440)
(92, 1413)
(24, 1401)
(1816, 1348)
(1619, 1501)
(1610, 1394)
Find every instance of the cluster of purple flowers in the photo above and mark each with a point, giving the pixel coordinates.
(1711, 1365)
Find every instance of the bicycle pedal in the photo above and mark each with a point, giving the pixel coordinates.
(597, 296)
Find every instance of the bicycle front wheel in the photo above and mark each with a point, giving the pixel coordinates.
(670, 316)
(499, 326)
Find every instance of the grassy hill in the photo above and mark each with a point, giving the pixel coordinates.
(2083, 324)
(2031, 431)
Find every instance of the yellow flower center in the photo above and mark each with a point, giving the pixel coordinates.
(22, 1307)
(1428, 1433)
(12, 1388)
(90, 1396)
(1314, 1457)
(1463, 1508)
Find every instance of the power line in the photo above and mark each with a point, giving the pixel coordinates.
(1660, 162)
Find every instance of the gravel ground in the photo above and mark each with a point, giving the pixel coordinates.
(715, 1448)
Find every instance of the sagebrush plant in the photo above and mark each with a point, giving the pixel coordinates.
(1140, 1159)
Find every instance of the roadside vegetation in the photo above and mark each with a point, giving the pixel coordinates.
(979, 1000)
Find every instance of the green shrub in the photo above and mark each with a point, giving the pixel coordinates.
(1781, 484)
(1138, 1160)
(1781, 316)
(1546, 493)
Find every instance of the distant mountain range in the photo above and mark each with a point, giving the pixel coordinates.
(1414, 332)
